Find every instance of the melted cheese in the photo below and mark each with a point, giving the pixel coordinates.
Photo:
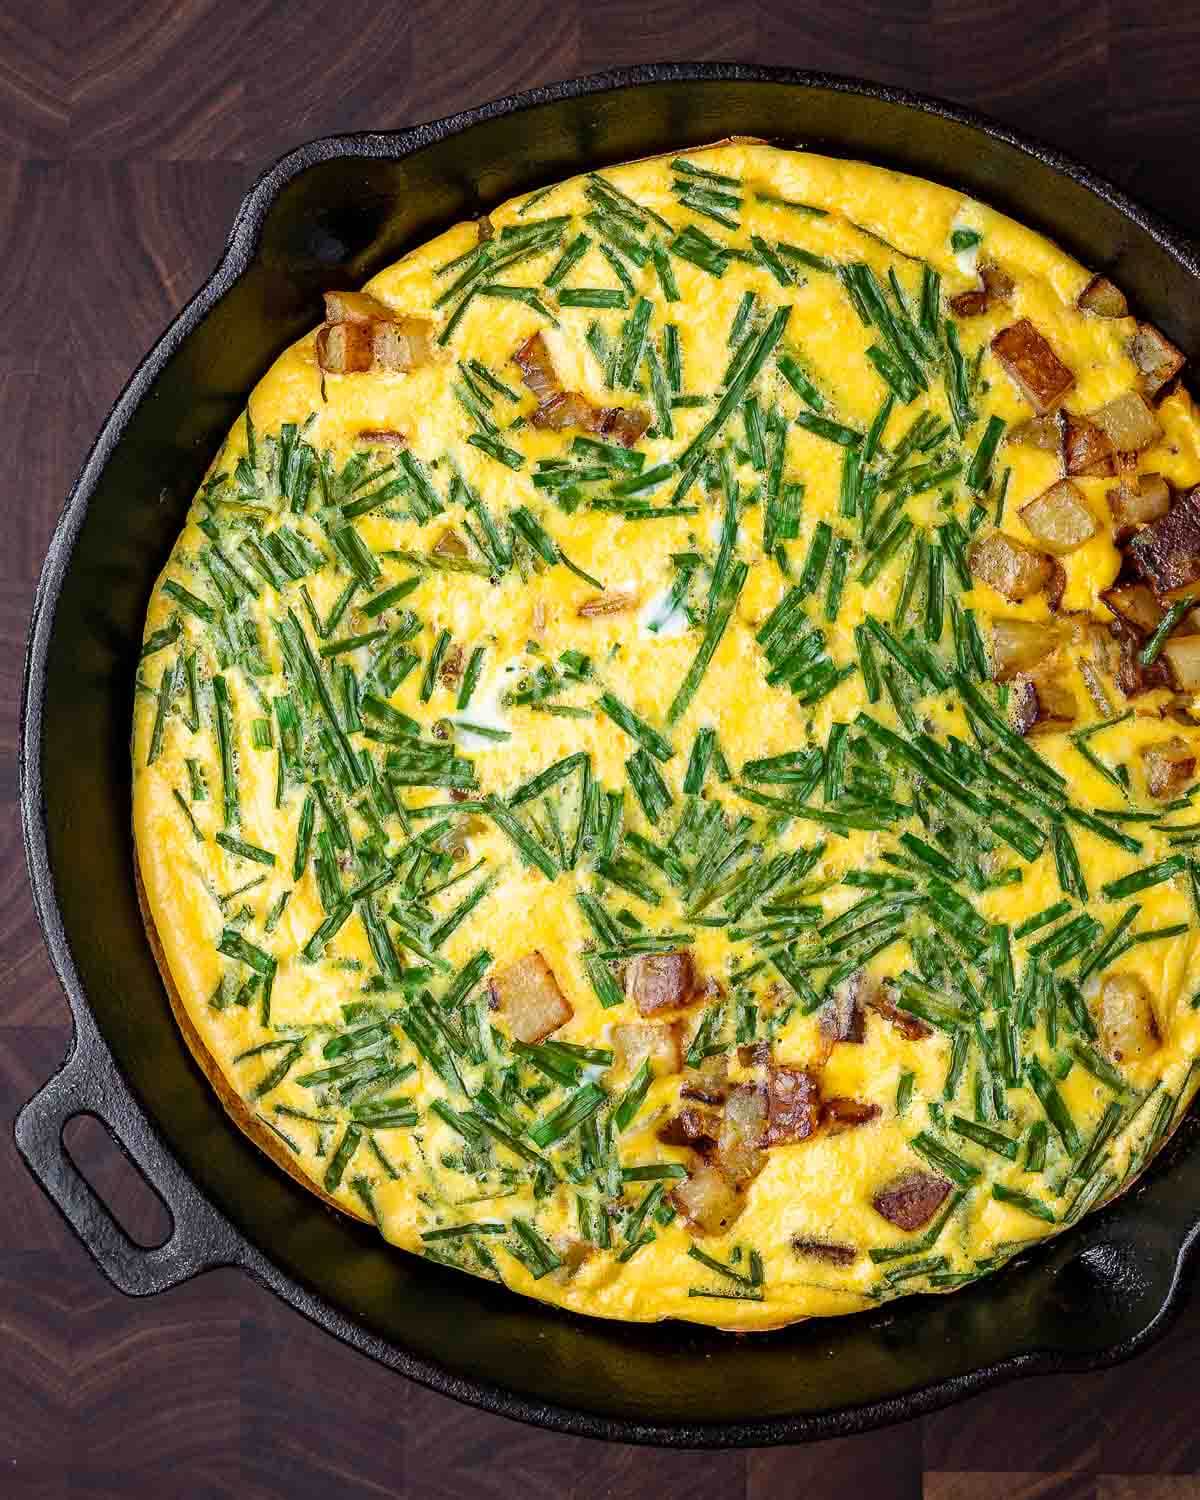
(821, 1188)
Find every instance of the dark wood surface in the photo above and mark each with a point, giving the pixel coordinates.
(128, 131)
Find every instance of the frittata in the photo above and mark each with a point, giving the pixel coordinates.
(664, 751)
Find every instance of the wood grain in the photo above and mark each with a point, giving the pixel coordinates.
(128, 131)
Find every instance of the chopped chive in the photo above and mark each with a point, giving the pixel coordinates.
(1035, 1207)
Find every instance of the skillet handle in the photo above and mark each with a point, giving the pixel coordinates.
(89, 1083)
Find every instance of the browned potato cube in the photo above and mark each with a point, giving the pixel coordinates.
(345, 348)
(1139, 501)
(528, 996)
(709, 1082)
(1059, 518)
(1041, 702)
(1136, 604)
(1182, 655)
(793, 1101)
(660, 981)
(1156, 357)
(355, 307)
(1169, 766)
(1032, 364)
(842, 1018)
(1104, 299)
(1086, 448)
(660, 1042)
(697, 1129)
(740, 1145)
(847, 1114)
(911, 1200)
(622, 424)
(1012, 568)
(537, 368)
(1129, 422)
(910, 1027)
(707, 1200)
(1018, 645)
(826, 1250)
(563, 409)
(1039, 432)
(402, 345)
(969, 304)
(383, 437)
(1167, 552)
(997, 284)
(1128, 1027)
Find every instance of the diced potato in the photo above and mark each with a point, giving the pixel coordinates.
(826, 1250)
(1059, 518)
(355, 307)
(383, 437)
(563, 409)
(1182, 653)
(661, 1042)
(1128, 1027)
(1169, 766)
(1135, 603)
(622, 424)
(537, 368)
(660, 981)
(1012, 568)
(793, 1102)
(842, 1018)
(1156, 357)
(1087, 449)
(345, 348)
(1104, 299)
(1133, 677)
(1167, 552)
(403, 344)
(1039, 432)
(1138, 502)
(969, 304)
(527, 995)
(998, 284)
(1041, 702)
(1129, 422)
(1018, 645)
(709, 1082)
(697, 1129)
(449, 544)
(847, 1114)
(1032, 364)
(707, 1200)
(739, 1147)
(911, 1200)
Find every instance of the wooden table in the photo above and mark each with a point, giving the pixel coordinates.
(128, 133)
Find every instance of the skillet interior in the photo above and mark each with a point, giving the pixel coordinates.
(330, 215)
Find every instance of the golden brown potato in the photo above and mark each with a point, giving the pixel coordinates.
(1138, 501)
(1041, 702)
(1182, 655)
(660, 1042)
(1059, 518)
(707, 1200)
(661, 981)
(693, 1127)
(1032, 364)
(1128, 1027)
(1169, 766)
(1018, 646)
(840, 1114)
(355, 307)
(537, 368)
(528, 996)
(1136, 604)
(345, 348)
(403, 344)
(1012, 568)
(1156, 357)
(739, 1147)
(793, 1102)
(1167, 552)
(911, 1200)
(1128, 422)
(1086, 448)
(1104, 299)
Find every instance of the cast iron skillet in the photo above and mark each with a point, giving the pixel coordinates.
(330, 214)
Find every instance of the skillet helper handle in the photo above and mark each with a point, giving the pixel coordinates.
(89, 1083)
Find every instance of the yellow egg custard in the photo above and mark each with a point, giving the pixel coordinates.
(664, 751)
